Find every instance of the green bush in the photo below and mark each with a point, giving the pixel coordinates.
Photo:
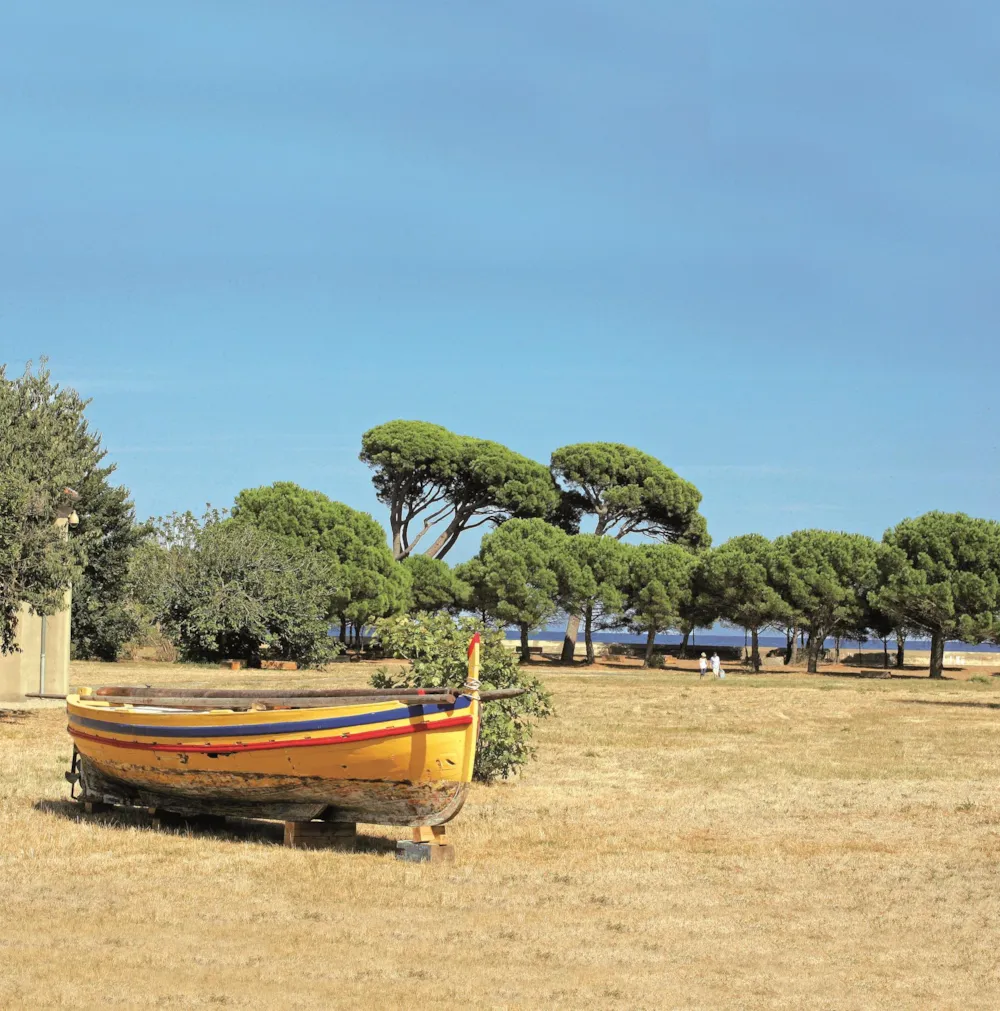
(657, 661)
(436, 645)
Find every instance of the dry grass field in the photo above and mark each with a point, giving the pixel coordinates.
(780, 841)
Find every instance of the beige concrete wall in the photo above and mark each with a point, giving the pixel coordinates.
(21, 672)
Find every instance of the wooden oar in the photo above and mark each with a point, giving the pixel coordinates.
(267, 702)
(257, 693)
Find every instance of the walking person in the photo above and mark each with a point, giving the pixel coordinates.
(716, 664)
(702, 665)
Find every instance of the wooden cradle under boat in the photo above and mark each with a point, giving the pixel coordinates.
(394, 757)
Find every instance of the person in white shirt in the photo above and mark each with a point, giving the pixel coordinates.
(703, 665)
(716, 664)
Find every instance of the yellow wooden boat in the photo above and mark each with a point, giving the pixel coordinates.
(396, 758)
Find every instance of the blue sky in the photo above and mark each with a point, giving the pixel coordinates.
(757, 240)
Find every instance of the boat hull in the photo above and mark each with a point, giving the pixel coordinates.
(379, 763)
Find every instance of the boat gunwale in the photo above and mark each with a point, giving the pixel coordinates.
(231, 747)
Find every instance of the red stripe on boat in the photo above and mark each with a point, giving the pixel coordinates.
(309, 742)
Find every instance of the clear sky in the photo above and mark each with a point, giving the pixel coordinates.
(758, 240)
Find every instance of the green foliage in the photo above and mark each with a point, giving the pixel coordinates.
(430, 476)
(631, 492)
(232, 590)
(599, 588)
(940, 573)
(659, 583)
(603, 564)
(736, 576)
(657, 661)
(436, 645)
(434, 585)
(734, 582)
(368, 584)
(825, 578)
(45, 447)
(524, 571)
(104, 615)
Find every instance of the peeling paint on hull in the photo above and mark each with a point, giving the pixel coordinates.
(287, 798)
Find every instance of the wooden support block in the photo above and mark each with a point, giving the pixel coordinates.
(95, 807)
(232, 664)
(421, 852)
(278, 665)
(429, 843)
(317, 835)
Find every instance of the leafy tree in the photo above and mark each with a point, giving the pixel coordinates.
(104, 615)
(368, 583)
(697, 610)
(939, 574)
(598, 588)
(428, 475)
(240, 589)
(882, 627)
(825, 577)
(737, 577)
(377, 597)
(45, 448)
(435, 586)
(658, 584)
(436, 646)
(629, 492)
(523, 571)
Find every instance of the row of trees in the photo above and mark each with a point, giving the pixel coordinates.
(285, 563)
(938, 574)
(934, 575)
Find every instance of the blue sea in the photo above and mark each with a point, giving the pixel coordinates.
(708, 637)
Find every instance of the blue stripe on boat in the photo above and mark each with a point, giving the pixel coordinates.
(255, 729)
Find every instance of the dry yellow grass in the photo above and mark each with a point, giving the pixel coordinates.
(764, 842)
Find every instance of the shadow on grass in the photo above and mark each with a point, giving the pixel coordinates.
(894, 673)
(267, 833)
(949, 702)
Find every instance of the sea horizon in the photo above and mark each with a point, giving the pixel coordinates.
(708, 637)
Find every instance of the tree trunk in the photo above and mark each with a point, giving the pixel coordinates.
(937, 654)
(569, 639)
(343, 630)
(650, 636)
(813, 648)
(587, 633)
(836, 648)
(755, 649)
(900, 649)
(792, 653)
(683, 651)
(885, 653)
(525, 649)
